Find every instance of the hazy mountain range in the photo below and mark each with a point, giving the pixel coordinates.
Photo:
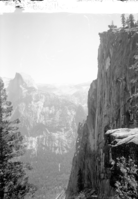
(49, 116)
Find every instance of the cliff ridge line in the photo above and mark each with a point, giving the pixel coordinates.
(112, 104)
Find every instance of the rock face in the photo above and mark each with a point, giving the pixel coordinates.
(82, 167)
(112, 104)
(121, 142)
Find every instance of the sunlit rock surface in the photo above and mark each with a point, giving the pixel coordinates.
(112, 104)
(121, 142)
(123, 136)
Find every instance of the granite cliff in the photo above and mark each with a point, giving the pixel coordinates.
(112, 112)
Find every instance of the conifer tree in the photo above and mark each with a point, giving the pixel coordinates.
(123, 20)
(136, 23)
(112, 26)
(13, 179)
(131, 20)
(124, 178)
(128, 22)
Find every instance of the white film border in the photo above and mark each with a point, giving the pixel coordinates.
(73, 6)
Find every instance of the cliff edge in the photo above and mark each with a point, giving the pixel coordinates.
(112, 104)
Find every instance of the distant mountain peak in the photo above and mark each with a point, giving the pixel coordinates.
(25, 79)
(19, 86)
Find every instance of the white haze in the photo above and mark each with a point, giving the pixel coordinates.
(56, 49)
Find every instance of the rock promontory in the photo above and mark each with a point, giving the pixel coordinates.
(112, 112)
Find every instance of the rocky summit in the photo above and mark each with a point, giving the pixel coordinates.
(110, 130)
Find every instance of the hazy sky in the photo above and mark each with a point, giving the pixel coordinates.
(52, 48)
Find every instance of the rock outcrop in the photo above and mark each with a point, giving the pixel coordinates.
(121, 142)
(112, 104)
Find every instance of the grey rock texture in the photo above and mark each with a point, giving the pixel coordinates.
(112, 104)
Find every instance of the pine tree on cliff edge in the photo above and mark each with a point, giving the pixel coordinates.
(131, 20)
(13, 179)
(112, 26)
(123, 20)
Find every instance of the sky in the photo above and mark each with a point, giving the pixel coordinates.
(59, 48)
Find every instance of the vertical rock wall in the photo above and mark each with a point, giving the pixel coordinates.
(82, 174)
(112, 103)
